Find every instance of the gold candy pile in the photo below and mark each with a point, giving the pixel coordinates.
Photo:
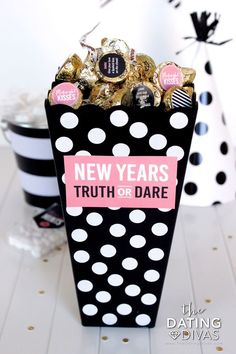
(114, 75)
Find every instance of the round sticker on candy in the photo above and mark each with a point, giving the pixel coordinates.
(66, 93)
(170, 75)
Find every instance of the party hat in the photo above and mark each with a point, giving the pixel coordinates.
(211, 175)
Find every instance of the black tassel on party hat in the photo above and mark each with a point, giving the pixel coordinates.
(210, 177)
(204, 28)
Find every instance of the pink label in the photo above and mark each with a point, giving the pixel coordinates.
(131, 181)
(65, 93)
(170, 76)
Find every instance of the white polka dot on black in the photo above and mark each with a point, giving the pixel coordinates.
(159, 229)
(119, 118)
(157, 141)
(94, 219)
(85, 285)
(124, 309)
(121, 149)
(178, 120)
(117, 230)
(129, 263)
(108, 251)
(137, 216)
(156, 254)
(74, 211)
(90, 310)
(79, 235)
(132, 290)
(138, 130)
(96, 136)
(81, 256)
(175, 151)
(143, 320)
(115, 279)
(103, 296)
(99, 268)
(109, 319)
(64, 144)
(69, 120)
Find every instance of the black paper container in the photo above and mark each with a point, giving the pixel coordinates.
(122, 288)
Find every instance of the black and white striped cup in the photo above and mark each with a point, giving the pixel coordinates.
(32, 148)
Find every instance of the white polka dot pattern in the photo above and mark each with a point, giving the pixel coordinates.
(151, 275)
(143, 320)
(111, 246)
(74, 211)
(109, 319)
(129, 263)
(175, 151)
(178, 120)
(148, 299)
(94, 219)
(117, 230)
(96, 136)
(115, 280)
(81, 256)
(64, 144)
(82, 153)
(156, 254)
(85, 285)
(99, 268)
(119, 118)
(137, 241)
(159, 229)
(121, 150)
(90, 310)
(124, 309)
(108, 251)
(137, 216)
(132, 290)
(158, 141)
(69, 120)
(103, 296)
(138, 130)
(79, 235)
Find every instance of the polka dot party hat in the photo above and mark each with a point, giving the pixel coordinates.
(211, 176)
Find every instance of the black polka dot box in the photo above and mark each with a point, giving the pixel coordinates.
(119, 255)
(120, 173)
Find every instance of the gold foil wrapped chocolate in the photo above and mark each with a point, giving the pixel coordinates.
(189, 75)
(70, 70)
(146, 66)
(112, 67)
(114, 44)
(142, 94)
(115, 74)
(102, 93)
(88, 74)
(169, 74)
(142, 69)
(177, 97)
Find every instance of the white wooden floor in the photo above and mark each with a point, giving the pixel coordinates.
(38, 308)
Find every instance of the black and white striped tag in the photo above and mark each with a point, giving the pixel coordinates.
(181, 98)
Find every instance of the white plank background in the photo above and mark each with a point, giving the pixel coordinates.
(38, 306)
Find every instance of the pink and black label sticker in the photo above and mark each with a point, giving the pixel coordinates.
(66, 93)
(112, 65)
(170, 76)
(112, 181)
